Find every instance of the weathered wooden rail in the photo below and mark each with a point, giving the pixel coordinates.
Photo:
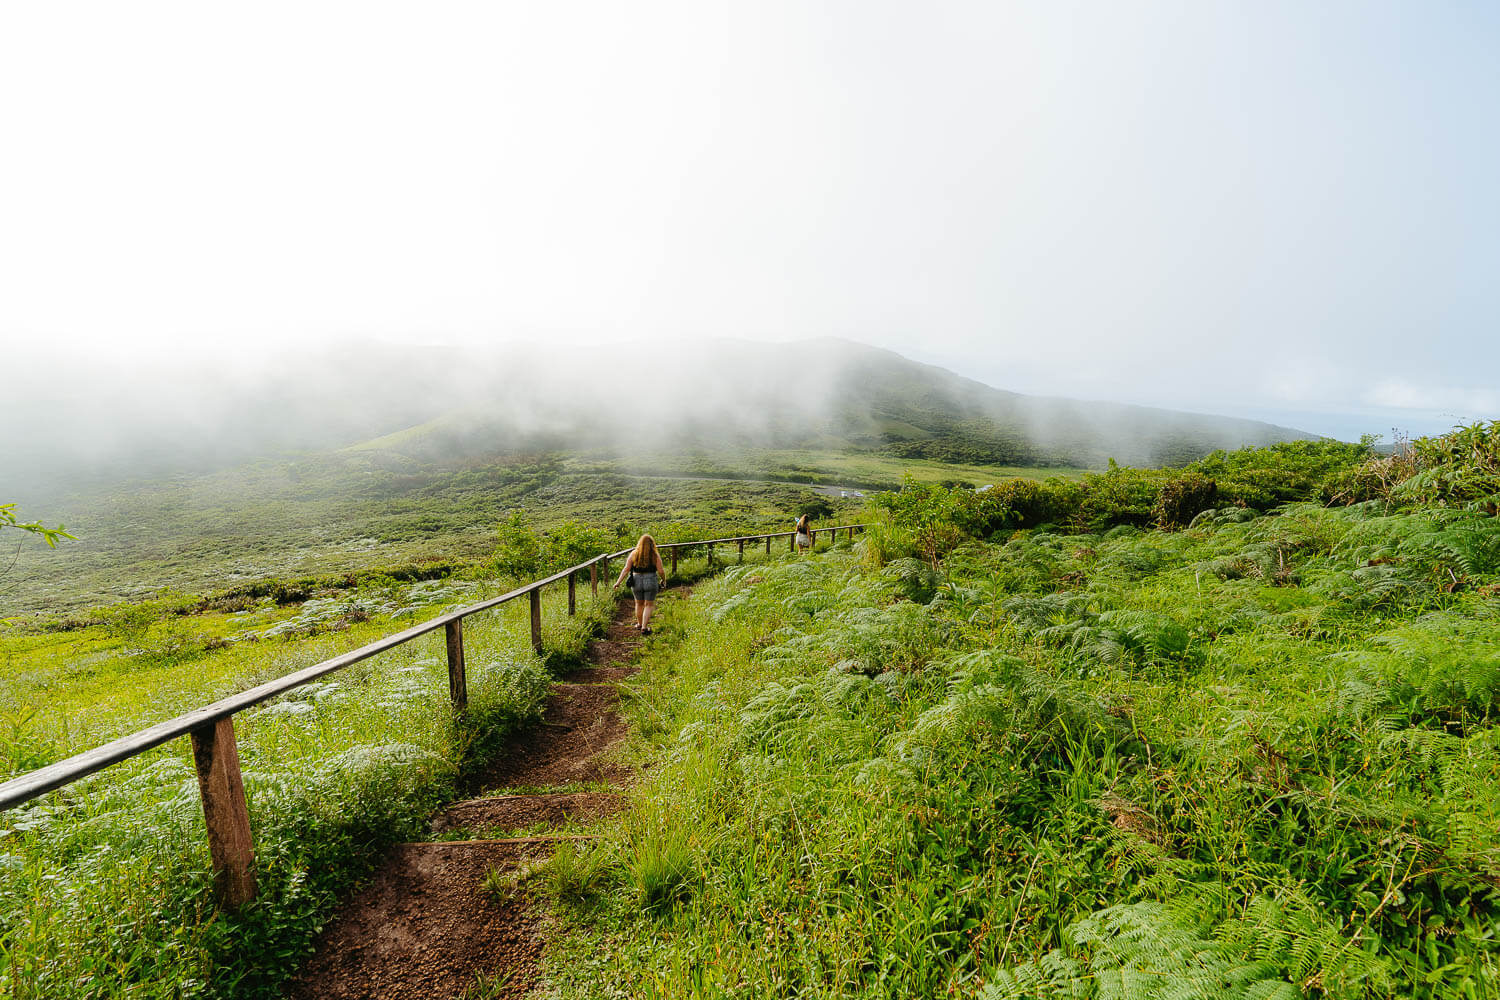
(211, 728)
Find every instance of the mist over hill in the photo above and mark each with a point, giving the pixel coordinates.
(373, 455)
(913, 410)
(93, 422)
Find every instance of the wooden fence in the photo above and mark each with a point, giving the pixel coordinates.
(211, 728)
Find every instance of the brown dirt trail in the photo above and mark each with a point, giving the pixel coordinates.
(424, 928)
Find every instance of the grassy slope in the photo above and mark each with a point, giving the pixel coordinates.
(856, 469)
(856, 417)
(1252, 753)
(348, 511)
(103, 887)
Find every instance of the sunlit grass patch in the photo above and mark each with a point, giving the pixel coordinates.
(104, 887)
(1069, 764)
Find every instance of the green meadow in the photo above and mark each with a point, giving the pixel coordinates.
(351, 511)
(104, 886)
(1252, 755)
(1226, 730)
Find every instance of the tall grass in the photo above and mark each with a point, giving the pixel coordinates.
(104, 885)
(1253, 758)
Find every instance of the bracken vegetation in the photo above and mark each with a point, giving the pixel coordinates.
(104, 885)
(1226, 731)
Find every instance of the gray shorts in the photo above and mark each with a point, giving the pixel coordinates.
(645, 586)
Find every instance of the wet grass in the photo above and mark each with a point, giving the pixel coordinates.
(1253, 758)
(103, 885)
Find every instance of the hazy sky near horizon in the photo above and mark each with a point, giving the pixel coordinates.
(1282, 210)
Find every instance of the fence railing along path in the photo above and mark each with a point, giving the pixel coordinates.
(211, 728)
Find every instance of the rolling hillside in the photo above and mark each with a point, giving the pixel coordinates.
(724, 399)
(912, 410)
(308, 475)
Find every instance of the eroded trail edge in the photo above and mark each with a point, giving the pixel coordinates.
(425, 927)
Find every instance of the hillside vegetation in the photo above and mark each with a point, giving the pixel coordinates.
(105, 887)
(1142, 735)
(344, 516)
(417, 454)
(1224, 727)
(732, 402)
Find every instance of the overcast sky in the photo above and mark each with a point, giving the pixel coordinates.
(1285, 210)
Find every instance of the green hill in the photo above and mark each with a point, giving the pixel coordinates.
(912, 410)
(725, 399)
(412, 456)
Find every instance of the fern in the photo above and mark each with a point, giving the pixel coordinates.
(1468, 545)
(1279, 947)
(914, 579)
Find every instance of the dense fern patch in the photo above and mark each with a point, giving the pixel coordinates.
(1254, 757)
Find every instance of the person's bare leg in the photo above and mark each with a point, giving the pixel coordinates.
(650, 606)
(638, 623)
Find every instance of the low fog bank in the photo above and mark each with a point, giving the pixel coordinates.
(101, 420)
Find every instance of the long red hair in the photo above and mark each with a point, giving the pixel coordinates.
(645, 555)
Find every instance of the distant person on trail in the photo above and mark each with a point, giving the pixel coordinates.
(645, 571)
(804, 532)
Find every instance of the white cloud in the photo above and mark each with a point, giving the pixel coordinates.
(1206, 207)
(1460, 402)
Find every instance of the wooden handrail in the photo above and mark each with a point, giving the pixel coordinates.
(211, 727)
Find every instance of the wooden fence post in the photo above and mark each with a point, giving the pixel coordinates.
(458, 683)
(742, 550)
(572, 601)
(674, 561)
(710, 556)
(536, 618)
(594, 578)
(768, 545)
(791, 543)
(217, 760)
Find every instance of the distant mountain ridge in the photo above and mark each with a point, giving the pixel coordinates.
(959, 419)
(455, 405)
(827, 394)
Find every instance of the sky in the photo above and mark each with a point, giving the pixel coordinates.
(1278, 210)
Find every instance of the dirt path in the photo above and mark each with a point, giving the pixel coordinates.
(424, 927)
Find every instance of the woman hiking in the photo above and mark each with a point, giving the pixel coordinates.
(804, 532)
(645, 571)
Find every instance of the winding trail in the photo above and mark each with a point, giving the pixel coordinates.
(424, 927)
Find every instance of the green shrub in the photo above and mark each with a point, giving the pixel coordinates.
(1183, 498)
(573, 873)
(1289, 471)
(518, 549)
